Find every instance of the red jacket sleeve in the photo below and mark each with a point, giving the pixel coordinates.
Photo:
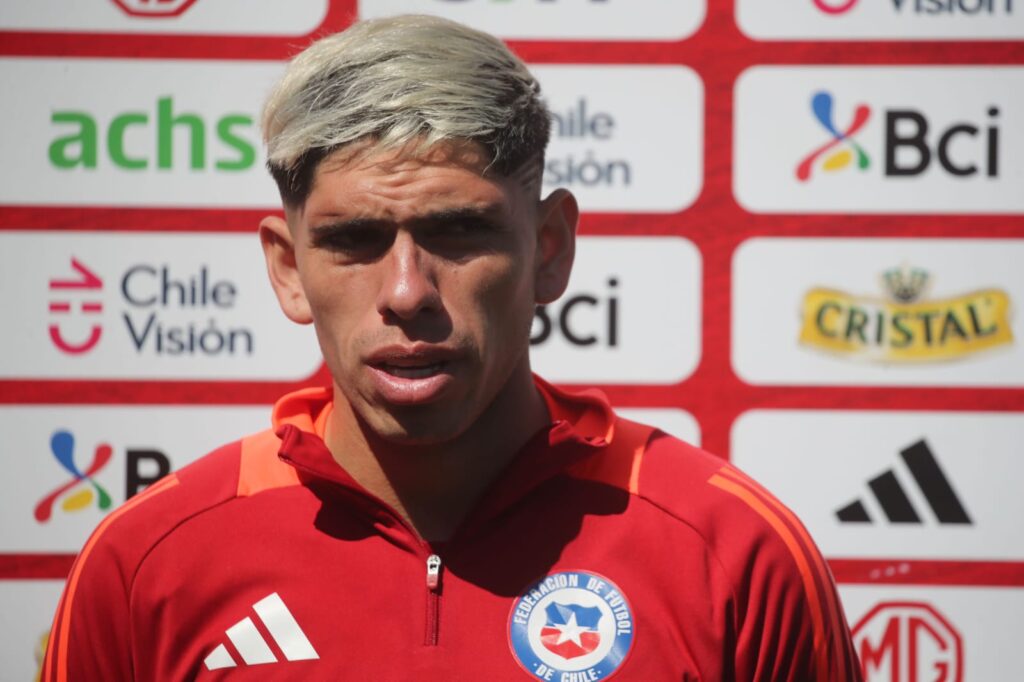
(790, 623)
(90, 638)
(91, 635)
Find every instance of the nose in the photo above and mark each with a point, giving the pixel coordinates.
(408, 287)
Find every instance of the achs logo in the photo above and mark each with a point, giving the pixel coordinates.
(84, 489)
(835, 6)
(87, 282)
(223, 143)
(572, 625)
(905, 327)
(892, 498)
(822, 104)
(907, 642)
(154, 8)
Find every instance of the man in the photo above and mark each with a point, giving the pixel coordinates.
(439, 513)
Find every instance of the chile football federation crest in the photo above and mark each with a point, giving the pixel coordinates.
(571, 622)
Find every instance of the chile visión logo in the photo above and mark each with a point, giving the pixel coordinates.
(823, 105)
(85, 282)
(83, 487)
(571, 625)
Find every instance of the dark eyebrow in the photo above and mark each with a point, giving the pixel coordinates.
(322, 233)
(326, 230)
(454, 215)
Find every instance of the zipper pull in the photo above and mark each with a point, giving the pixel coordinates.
(433, 572)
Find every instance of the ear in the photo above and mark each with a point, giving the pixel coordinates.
(558, 215)
(279, 250)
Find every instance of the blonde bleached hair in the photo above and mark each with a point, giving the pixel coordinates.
(404, 80)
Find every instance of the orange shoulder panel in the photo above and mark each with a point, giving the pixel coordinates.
(260, 468)
(619, 463)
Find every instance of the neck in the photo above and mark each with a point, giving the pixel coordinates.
(434, 486)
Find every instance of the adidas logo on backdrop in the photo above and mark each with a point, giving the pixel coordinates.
(893, 500)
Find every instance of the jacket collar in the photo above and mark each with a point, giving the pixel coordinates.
(582, 423)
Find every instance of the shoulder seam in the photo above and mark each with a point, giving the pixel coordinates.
(146, 554)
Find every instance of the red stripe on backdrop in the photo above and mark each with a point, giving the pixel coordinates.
(35, 566)
(930, 572)
(116, 219)
(703, 49)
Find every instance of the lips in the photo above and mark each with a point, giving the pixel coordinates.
(409, 375)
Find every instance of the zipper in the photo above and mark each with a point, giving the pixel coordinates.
(433, 600)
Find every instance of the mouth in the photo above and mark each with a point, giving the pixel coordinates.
(403, 371)
(412, 375)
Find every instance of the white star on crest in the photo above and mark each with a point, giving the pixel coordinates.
(570, 631)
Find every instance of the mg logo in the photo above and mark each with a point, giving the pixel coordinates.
(154, 8)
(908, 642)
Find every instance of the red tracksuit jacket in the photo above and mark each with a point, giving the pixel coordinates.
(606, 548)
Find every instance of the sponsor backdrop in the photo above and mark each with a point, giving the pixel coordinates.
(801, 247)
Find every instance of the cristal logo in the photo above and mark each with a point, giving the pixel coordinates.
(822, 104)
(835, 6)
(154, 8)
(85, 488)
(908, 642)
(61, 309)
(907, 327)
(143, 466)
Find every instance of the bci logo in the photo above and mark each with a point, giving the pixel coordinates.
(143, 466)
(908, 642)
(911, 143)
(581, 319)
(149, 293)
(84, 140)
(966, 7)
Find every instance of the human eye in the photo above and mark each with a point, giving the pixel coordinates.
(466, 227)
(355, 242)
(461, 237)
